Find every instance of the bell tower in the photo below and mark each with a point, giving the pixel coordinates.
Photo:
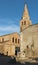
(25, 21)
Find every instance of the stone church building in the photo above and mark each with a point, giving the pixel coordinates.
(29, 36)
(10, 44)
(25, 43)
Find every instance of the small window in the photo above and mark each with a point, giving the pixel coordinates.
(2, 39)
(27, 46)
(24, 22)
(13, 39)
(16, 40)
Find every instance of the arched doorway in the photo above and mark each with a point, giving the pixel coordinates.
(7, 53)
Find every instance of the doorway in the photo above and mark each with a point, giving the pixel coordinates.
(7, 53)
(17, 49)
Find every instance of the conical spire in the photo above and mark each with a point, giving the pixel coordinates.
(25, 14)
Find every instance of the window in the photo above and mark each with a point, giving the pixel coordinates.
(27, 46)
(16, 40)
(13, 39)
(2, 39)
(24, 22)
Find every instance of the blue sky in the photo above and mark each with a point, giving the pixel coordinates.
(11, 12)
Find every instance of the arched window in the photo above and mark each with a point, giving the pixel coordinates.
(16, 40)
(13, 39)
(2, 39)
(24, 22)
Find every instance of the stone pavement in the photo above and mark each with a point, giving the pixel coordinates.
(5, 60)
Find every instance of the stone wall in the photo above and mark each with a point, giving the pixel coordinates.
(29, 42)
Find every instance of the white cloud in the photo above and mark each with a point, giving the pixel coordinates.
(9, 29)
(8, 21)
(8, 26)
